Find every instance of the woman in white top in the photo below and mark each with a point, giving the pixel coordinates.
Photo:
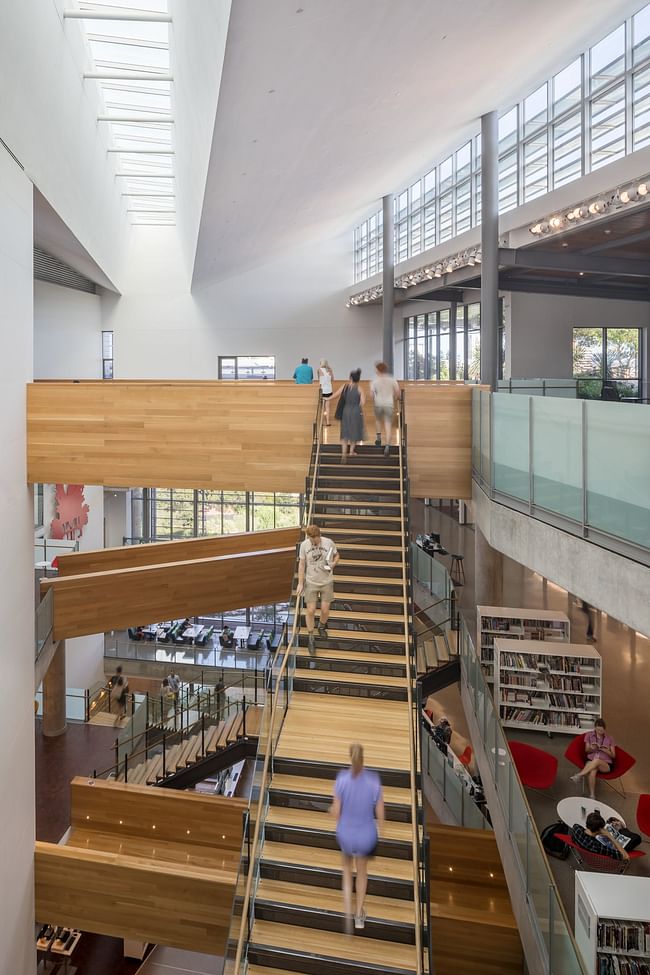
(325, 376)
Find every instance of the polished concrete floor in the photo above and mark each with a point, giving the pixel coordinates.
(625, 691)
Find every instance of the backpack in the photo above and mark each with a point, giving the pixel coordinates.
(553, 846)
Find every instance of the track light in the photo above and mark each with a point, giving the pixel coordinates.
(596, 207)
(450, 267)
(438, 271)
(556, 222)
(628, 195)
(643, 189)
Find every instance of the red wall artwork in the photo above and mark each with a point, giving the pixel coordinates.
(71, 512)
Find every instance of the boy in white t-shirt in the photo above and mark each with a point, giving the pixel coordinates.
(385, 391)
(318, 556)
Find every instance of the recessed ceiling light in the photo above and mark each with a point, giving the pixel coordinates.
(564, 243)
(582, 274)
(607, 231)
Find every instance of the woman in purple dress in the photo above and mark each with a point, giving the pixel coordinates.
(359, 808)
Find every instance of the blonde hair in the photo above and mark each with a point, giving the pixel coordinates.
(356, 757)
(313, 531)
(324, 364)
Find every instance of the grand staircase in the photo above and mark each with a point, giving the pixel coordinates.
(353, 689)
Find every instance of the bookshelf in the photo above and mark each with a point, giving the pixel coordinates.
(547, 686)
(517, 624)
(612, 923)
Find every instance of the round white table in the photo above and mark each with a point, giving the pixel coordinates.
(575, 809)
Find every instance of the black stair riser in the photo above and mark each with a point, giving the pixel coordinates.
(311, 685)
(355, 603)
(369, 555)
(318, 877)
(332, 468)
(370, 588)
(371, 484)
(364, 450)
(385, 518)
(357, 497)
(350, 667)
(363, 626)
(370, 646)
(321, 803)
(400, 779)
(314, 839)
(330, 921)
(314, 964)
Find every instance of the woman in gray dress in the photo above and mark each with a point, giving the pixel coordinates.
(352, 431)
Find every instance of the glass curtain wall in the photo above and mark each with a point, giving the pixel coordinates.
(427, 345)
(592, 112)
(163, 514)
(607, 358)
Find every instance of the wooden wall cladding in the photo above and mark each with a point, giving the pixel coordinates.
(184, 550)
(114, 600)
(253, 436)
(179, 817)
(439, 434)
(128, 897)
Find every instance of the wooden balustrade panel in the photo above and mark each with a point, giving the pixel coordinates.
(179, 817)
(130, 897)
(219, 435)
(183, 550)
(119, 598)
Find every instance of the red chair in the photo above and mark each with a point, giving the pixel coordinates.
(537, 769)
(604, 864)
(466, 758)
(643, 814)
(623, 762)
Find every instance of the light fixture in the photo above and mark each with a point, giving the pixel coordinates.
(471, 260)
(642, 189)
(450, 267)
(536, 229)
(438, 271)
(628, 195)
(479, 257)
(556, 222)
(596, 207)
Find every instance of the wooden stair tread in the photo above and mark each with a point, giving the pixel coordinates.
(325, 899)
(323, 653)
(349, 614)
(359, 597)
(388, 868)
(368, 636)
(372, 580)
(359, 531)
(335, 945)
(285, 782)
(324, 822)
(344, 677)
(349, 490)
(358, 504)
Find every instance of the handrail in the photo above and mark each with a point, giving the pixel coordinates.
(419, 612)
(271, 723)
(412, 731)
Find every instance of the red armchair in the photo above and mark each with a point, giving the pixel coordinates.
(623, 762)
(643, 813)
(537, 769)
(604, 864)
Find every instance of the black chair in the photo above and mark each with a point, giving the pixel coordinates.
(610, 392)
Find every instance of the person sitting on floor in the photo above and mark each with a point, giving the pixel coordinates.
(594, 838)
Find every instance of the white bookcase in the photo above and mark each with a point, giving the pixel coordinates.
(612, 923)
(517, 624)
(547, 686)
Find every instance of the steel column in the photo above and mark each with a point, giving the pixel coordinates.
(388, 279)
(489, 249)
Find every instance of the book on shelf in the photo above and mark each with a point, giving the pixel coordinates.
(624, 936)
(546, 716)
(622, 965)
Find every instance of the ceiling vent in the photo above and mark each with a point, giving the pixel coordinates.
(51, 269)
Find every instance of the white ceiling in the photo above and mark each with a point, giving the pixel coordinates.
(325, 105)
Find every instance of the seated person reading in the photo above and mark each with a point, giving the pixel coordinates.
(600, 751)
(227, 637)
(595, 839)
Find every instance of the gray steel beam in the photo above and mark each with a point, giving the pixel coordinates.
(579, 289)
(531, 257)
(388, 279)
(489, 249)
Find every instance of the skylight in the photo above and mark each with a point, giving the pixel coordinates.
(129, 61)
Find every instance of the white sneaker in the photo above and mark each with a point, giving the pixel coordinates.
(360, 920)
(575, 778)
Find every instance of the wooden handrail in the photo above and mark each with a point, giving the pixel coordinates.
(271, 723)
(412, 731)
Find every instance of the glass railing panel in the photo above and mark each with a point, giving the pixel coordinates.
(618, 471)
(44, 622)
(518, 823)
(557, 456)
(476, 429)
(565, 961)
(510, 447)
(486, 441)
(502, 762)
(539, 885)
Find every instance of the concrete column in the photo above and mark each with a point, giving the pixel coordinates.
(489, 249)
(488, 572)
(388, 280)
(54, 722)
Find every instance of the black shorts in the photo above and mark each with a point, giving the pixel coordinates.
(326, 395)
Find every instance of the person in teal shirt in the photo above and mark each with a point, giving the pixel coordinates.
(304, 373)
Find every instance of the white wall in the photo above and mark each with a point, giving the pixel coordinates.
(541, 329)
(67, 333)
(291, 307)
(116, 517)
(17, 591)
